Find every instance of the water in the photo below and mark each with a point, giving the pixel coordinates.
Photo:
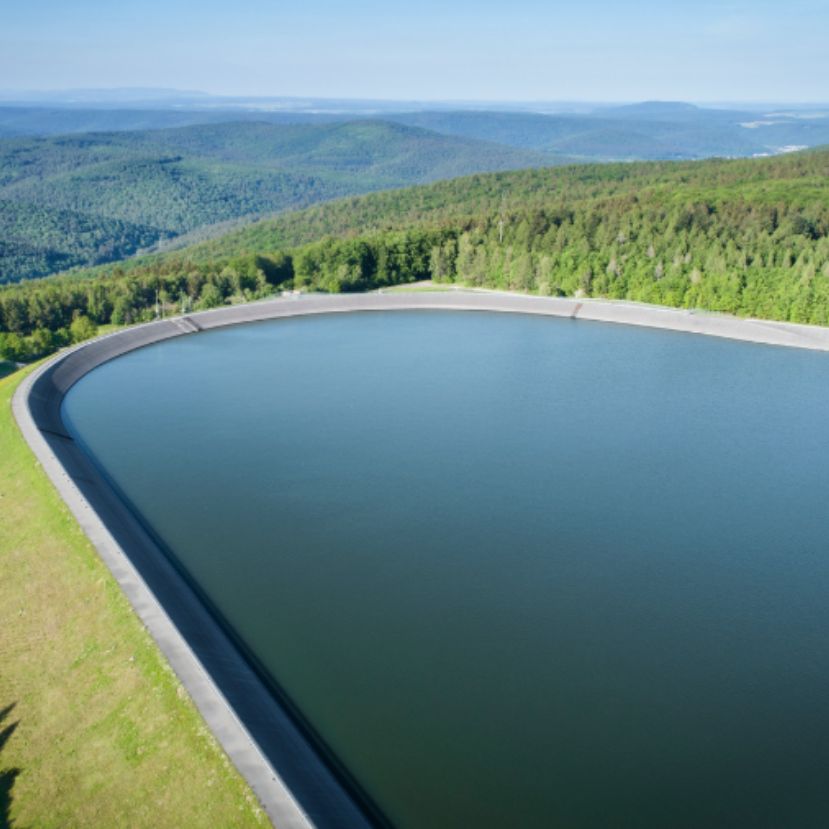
(517, 571)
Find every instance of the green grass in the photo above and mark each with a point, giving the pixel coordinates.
(95, 729)
(6, 368)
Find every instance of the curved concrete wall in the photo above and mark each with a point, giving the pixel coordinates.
(297, 785)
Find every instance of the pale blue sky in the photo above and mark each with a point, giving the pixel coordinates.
(510, 50)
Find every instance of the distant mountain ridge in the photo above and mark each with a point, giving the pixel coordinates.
(650, 131)
(654, 109)
(640, 131)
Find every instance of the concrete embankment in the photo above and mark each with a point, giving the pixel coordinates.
(625, 313)
(298, 784)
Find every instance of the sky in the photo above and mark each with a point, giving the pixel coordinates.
(515, 50)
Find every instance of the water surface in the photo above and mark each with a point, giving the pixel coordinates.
(516, 571)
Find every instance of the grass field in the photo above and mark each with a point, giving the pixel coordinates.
(95, 729)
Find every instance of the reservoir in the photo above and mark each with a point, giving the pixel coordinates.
(515, 571)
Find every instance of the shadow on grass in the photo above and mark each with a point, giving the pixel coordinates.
(7, 776)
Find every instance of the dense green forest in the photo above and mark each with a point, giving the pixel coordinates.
(80, 200)
(748, 237)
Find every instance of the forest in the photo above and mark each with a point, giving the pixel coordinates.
(80, 200)
(746, 237)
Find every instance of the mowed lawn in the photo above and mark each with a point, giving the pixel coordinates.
(95, 729)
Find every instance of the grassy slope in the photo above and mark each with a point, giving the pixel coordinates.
(105, 735)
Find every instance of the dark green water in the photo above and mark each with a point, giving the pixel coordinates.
(518, 572)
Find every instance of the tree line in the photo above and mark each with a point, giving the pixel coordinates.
(756, 243)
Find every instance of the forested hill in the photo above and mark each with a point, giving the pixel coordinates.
(98, 197)
(611, 195)
(747, 237)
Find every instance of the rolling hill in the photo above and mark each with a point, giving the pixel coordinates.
(647, 130)
(90, 198)
(636, 132)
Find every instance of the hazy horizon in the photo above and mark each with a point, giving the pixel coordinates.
(160, 95)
